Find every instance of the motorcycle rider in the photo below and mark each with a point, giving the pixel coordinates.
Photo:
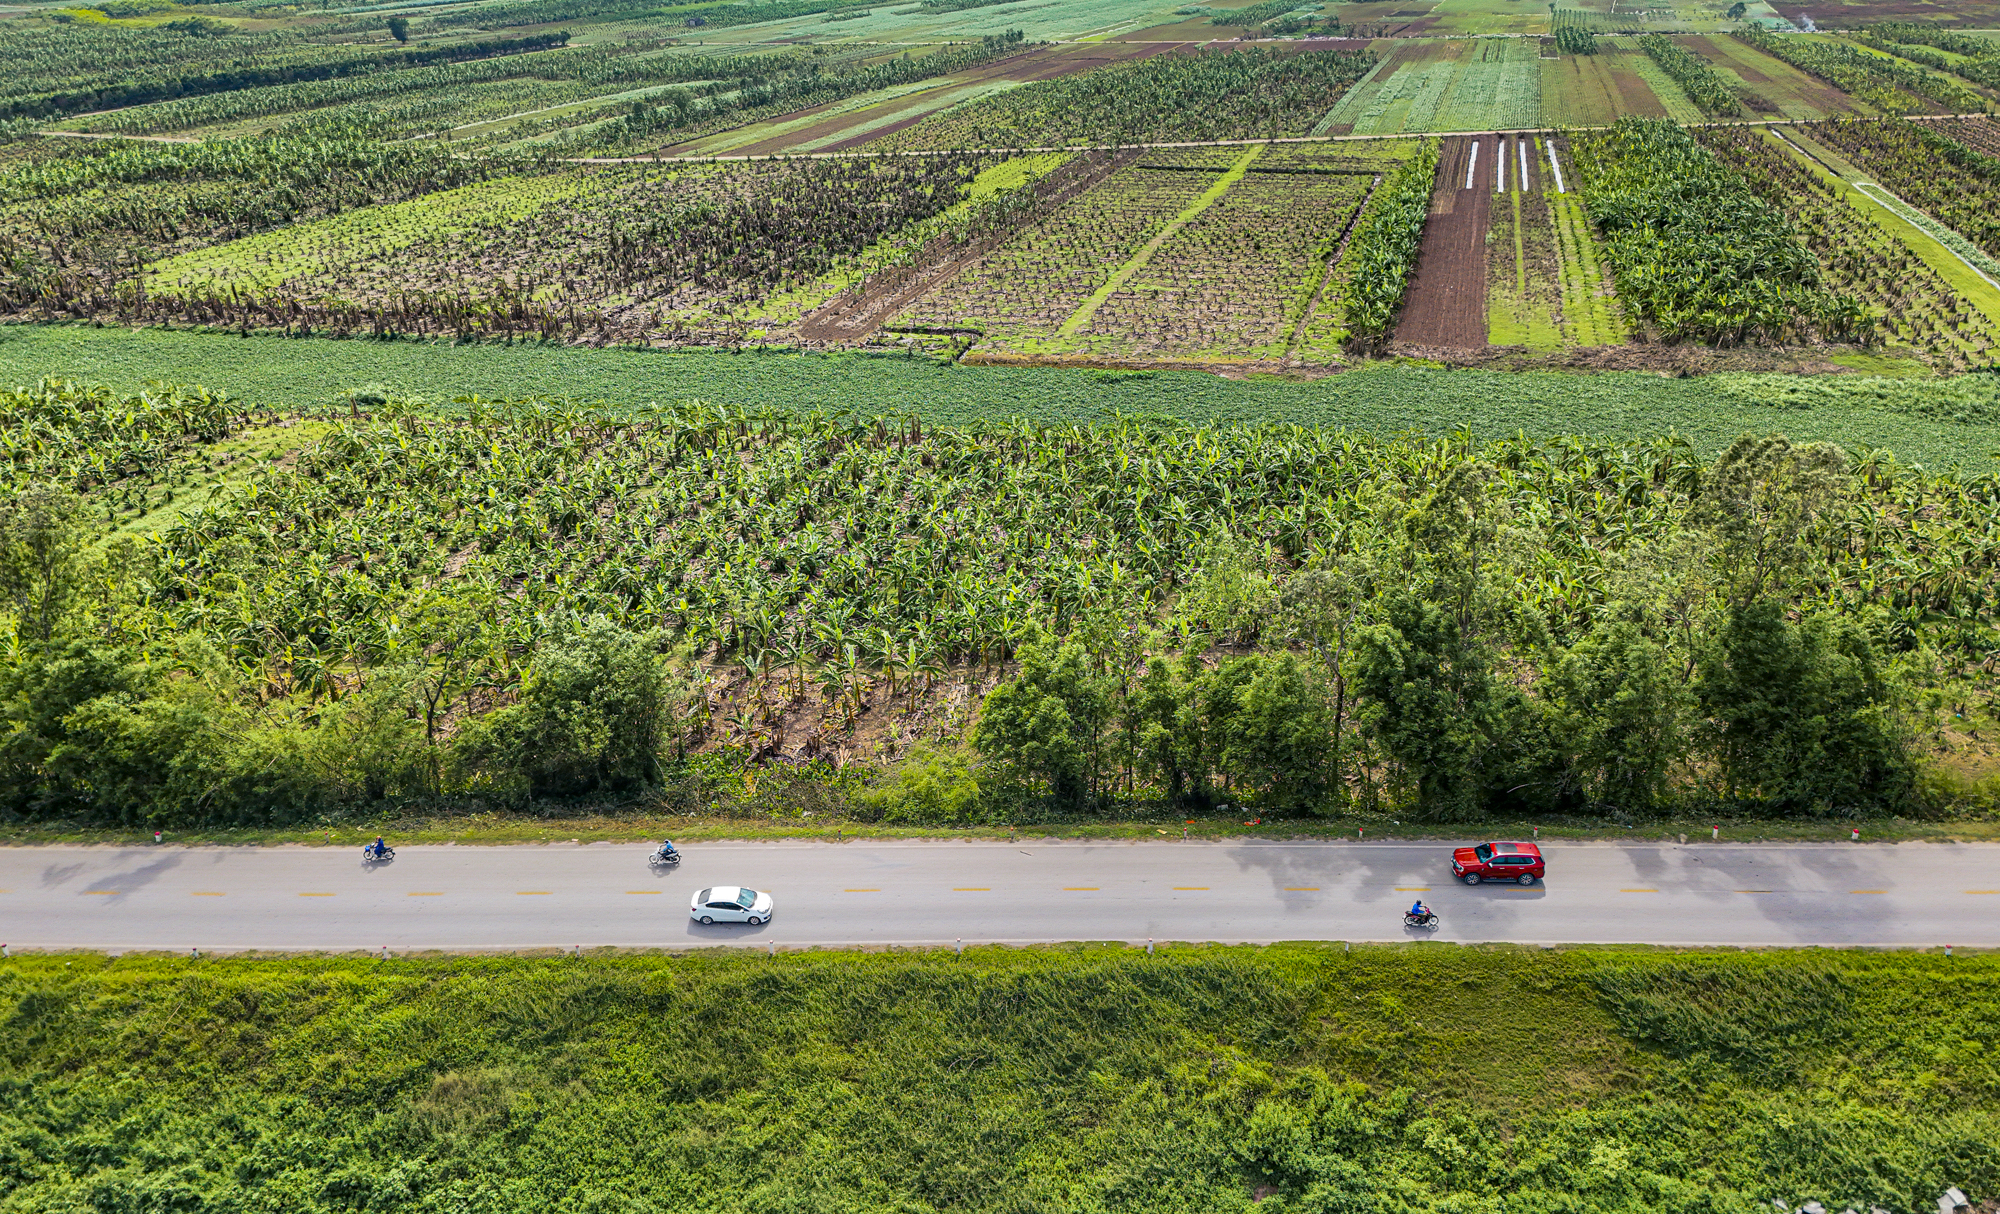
(1418, 910)
(378, 849)
(666, 847)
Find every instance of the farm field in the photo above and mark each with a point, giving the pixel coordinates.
(1446, 85)
(1940, 424)
(1773, 88)
(841, 125)
(1546, 286)
(1225, 256)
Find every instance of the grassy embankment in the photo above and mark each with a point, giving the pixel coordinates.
(1425, 1078)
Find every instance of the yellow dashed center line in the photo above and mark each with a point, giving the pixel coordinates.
(972, 889)
(206, 893)
(1867, 891)
(1756, 891)
(1190, 887)
(868, 890)
(1298, 888)
(1413, 889)
(426, 893)
(315, 895)
(1638, 891)
(642, 891)
(109, 893)
(1080, 887)
(1970, 891)
(533, 893)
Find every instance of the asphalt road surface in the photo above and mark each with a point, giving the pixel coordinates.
(870, 893)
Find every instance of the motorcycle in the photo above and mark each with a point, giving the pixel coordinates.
(1428, 920)
(664, 857)
(372, 855)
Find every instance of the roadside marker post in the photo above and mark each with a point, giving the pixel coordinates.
(1715, 832)
(959, 948)
(1149, 946)
(1855, 835)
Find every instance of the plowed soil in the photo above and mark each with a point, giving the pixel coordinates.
(1446, 303)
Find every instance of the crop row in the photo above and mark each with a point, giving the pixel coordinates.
(1888, 84)
(1377, 267)
(1694, 74)
(1238, 94)
(1029, 287)
(1235, 279)
(1967, 55)
(1929, 170)
(1909, 302)
(1694, 250)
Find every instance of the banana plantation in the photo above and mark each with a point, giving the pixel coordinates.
(829, 587)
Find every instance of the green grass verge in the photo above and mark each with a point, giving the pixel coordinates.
(487, 829)
(1940, 424)
(1089, 1078)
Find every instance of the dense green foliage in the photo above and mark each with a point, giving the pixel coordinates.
(1693, 249)
(1238, 94)
(1890, 85)
(1702, 82)
(1383, 253)
(340, 619)
(1422, 1080)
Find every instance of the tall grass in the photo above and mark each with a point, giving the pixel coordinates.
(1082, 1078)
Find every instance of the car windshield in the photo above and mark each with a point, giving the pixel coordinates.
(746, 898)
(1483, 851)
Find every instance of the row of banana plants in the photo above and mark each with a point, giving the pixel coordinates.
(1694, 251)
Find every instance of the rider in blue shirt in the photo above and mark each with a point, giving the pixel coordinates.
(1419, 909)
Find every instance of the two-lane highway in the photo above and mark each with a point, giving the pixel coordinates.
(867, 892)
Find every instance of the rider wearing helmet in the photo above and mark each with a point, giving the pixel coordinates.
(378, 847)
(1418, 909)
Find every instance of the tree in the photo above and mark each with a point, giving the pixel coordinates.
(1619, 718)
(399, 28)
(42, 538)
(1045, 727)
(1763, 499)
(591, 718)
(1801, 716)
(1276, 741)
(1428, 694)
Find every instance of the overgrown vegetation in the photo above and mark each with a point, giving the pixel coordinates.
(1383, 254)
(1293, 1078)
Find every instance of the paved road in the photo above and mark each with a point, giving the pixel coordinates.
(930, 893)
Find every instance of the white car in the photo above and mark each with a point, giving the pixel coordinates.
(731, 904)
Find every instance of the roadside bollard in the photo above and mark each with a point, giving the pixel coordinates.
(1855, 834)
(1947, 952)
(156, 836)
(4, 952)
(194, 952)
(1360, 833)
(1537, 830)
(959, 948)
(1715, 832)
(1149, 947)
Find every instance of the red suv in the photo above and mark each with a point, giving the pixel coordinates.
(1498, 862)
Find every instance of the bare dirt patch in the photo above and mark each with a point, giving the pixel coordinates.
(1446, 302)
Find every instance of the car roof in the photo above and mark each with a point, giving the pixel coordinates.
(1517, 849)
(720, 893)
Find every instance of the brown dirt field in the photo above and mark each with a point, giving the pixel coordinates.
(1446, 302)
